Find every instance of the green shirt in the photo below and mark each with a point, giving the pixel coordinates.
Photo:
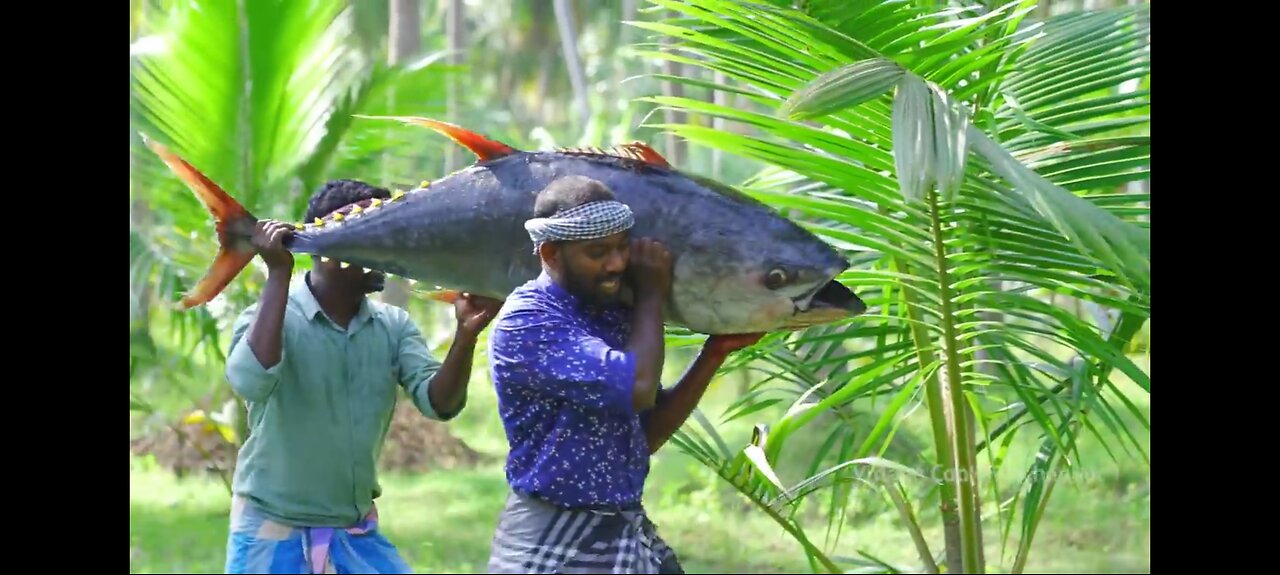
(318, 418)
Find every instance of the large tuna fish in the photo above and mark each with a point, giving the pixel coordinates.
(739, 266)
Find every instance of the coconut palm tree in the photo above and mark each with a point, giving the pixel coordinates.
(971, 162)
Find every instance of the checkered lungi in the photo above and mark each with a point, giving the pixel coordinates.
(534, 536)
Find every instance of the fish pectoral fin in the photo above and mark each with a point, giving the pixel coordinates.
(444, 295)
(484, 148)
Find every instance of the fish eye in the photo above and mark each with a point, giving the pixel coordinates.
(776, 278)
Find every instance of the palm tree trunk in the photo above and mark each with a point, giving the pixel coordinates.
(404, 41)
(139, 211)
(569, 44)
(405, 38)
(540, 43)
(934, 402)
(674, 149)
(620, 66)
(958, 410)
(246, 165)
(455, 28)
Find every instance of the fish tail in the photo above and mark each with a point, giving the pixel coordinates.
(233, 222)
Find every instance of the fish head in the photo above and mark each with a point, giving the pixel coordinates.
(747, 269)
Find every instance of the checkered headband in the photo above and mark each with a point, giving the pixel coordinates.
(588, 221)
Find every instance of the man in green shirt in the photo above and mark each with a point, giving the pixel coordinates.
(319, 364)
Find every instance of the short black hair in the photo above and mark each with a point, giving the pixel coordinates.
(336, 194)
(567, 193)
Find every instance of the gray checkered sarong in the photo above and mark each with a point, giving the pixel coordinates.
(534, 536)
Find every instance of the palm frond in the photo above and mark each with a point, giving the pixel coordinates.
(954, 281)
(261, 100)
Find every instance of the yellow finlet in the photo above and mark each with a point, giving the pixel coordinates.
(357, 209)
(375, 203)
(337, 216)
(397, 195)
(425, 184)
(319, 223)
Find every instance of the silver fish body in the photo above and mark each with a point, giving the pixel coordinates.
(740, 267)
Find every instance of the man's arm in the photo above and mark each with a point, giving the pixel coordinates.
(447, 389)
(648, 347)
(650, 267)
(675, 405)
(254, 369)
(445, 384)
(265, 334)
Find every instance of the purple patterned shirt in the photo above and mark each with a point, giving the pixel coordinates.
(564, 381)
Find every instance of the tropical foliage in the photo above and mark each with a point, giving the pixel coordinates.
(970, 163)
(265, 109)
(979, 163)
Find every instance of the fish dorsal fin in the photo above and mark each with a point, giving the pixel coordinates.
(484, 148)
(649, 155)
(635, 151)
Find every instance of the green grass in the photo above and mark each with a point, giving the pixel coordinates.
(443, 522)
(1098, 522)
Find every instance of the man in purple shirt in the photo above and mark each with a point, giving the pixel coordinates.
(577, 376)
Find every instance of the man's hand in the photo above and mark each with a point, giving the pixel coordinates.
(268, 239)
(650, 267)
(723, 345)
(474, 313)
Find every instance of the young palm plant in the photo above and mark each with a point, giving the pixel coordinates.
(968, 160)
(260, 96)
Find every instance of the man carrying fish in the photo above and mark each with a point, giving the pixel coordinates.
(318, 364)
(577, 374)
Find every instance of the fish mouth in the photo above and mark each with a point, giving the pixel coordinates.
(827, 303)
(834, 295)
